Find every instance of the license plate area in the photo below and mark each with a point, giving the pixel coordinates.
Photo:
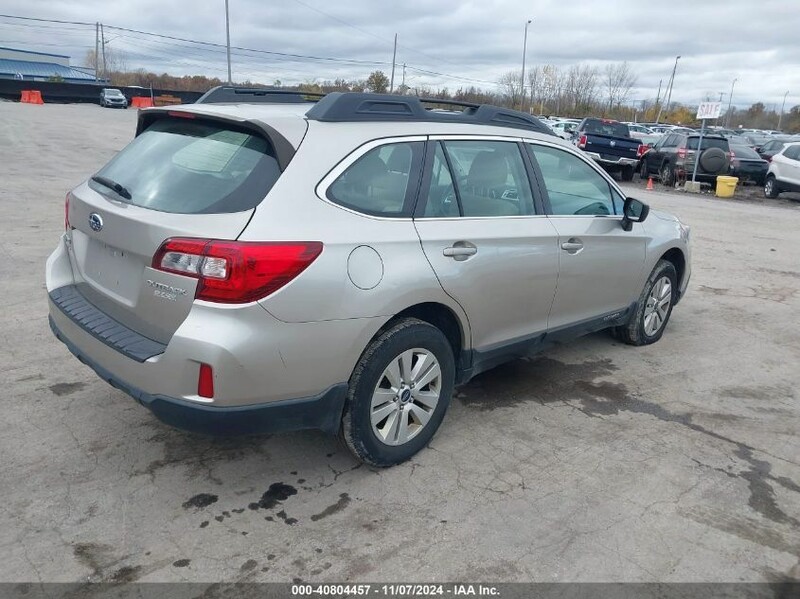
(113, 271)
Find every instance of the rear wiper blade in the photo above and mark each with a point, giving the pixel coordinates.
(111, 184)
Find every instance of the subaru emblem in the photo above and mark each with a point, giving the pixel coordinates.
(613, 143)
(95, 221)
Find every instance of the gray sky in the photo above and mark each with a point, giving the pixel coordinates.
(472, 42)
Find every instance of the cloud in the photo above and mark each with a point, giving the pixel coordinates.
(471, 42)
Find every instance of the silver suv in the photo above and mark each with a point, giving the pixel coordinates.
(255, 262)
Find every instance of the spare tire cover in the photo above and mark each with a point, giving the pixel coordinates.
(713, 160)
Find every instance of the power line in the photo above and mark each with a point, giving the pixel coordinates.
(290, 57)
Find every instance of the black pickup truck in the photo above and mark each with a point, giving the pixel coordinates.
(609, 143)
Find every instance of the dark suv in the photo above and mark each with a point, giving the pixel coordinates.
(675, 155)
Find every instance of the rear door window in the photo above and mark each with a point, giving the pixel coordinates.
(490, 178)
(192, 166)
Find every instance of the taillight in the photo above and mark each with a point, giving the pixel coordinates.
(641, 150)
(66, 213)
(235, 272)
(582, 142)
(681, 152)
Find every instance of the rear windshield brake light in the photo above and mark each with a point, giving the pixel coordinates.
(235, 272)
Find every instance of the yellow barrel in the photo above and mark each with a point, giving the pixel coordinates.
(726, 186)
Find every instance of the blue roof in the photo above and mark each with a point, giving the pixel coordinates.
(11, 68)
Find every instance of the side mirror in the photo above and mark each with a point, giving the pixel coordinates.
(634, 211)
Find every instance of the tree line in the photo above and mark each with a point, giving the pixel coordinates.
(577, 90)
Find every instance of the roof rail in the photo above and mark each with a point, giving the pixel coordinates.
(339, 107)
(256, 95)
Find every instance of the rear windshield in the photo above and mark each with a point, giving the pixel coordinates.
(708, 142)
(745, 152)
(597, 127)
(193, 167)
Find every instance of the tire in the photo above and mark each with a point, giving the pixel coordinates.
(667, 174)
(641, 329)
(627, 173)
(644, 173)
(771, 189)
(412, 342)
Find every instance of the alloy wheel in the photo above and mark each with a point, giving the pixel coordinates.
(657, 307)
(406, 396)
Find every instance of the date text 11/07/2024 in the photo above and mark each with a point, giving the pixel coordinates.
(395, 590)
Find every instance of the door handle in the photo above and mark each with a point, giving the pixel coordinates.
(460, 252)
(573, 246)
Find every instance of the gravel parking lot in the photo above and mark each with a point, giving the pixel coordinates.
(594, 462)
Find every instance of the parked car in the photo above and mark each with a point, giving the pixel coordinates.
(610, 144)
(639, 131)
(770, 148)
(747, 164)
(675, 153)
(784, 171)
(252, 262)
(563, 129)
(112, 98)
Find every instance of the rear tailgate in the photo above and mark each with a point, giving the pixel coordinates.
(611, 148)
(181, 177)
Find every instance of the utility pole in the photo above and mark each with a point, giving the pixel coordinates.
(394, 60)
(658, 98)
(103, 41)
(669, 87)
(96, 51)
(780, 116)
(730, 100)
(522, 78)
(228, 41)
(403, 84)
(672, 81)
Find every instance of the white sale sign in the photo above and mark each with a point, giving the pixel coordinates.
(709, 110)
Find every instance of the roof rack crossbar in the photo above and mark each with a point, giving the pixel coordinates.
(338, 107)
(256, 95)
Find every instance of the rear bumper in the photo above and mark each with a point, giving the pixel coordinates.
(322, 411)
(619, 162)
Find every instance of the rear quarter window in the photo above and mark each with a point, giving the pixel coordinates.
(189, 166)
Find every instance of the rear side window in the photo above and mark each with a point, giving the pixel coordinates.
(792, 152)
(708, 142)
(194, 167)
(382, 182)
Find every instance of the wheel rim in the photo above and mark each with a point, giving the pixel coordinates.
(768, 187)
(406, 396)
(665, 178)
(657, 307)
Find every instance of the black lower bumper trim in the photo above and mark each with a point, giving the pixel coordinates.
(322, 411)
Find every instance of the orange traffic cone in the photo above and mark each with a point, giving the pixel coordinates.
(650, 184)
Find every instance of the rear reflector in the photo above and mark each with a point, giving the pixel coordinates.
(205, 381)
(235, 272)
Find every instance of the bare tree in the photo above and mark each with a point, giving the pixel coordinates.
(580, 86)
(510, 87)
(619, 81)
(115, 61)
